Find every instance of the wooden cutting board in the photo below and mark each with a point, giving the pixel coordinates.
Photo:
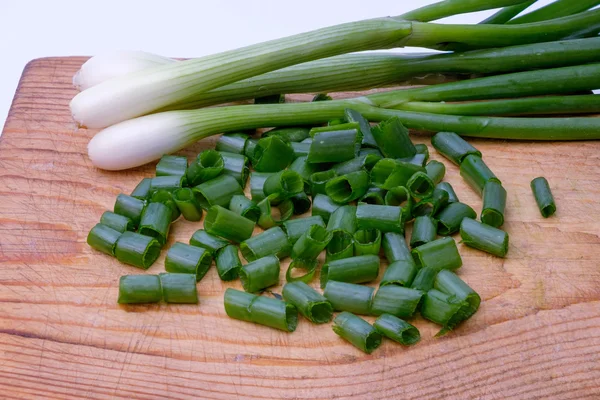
(62, 334)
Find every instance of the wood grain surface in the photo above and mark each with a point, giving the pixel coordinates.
(62, 334)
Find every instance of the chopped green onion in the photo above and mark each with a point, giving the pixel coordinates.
(166, 197)
(431, 205)
(237, 304)
(169, 183)
(274, 313)
(367, 241)
(310, 266)
(260, 274)
(543, 196)
(365, 127)
(323, 206)
(205, 240)
(422, 149)
(227, 224)
(295, 228)
(441, 308)
(217, 192)
(250, 148)
(357, 331)
(186, 259)
(156, 222)
(138, 250)
(400, 272)
(424, 231)
(349, 297)
(245, 207)
(273, 241)
(139, 289)
(446, 187)
(311, 243)
(316, 308)
(341, 246)
(103, 238)
(484, 237)
(476, 173)
(142, 190)
(449, 283)
(494, 203)
(188, 205)
(172, 166)
(294, 134)
(208, 165)
(358, 269)
(344, 219)
(346, 188)
(271, 214)
(300, 149)
(232, 143)
(395, 247)
(441, 254)
(396, 300)
(319, 181)
(304, 168)
(451, 216)
(117, 222)
(425, 279)
(453, 147)
(129, 207)
(389, 173)
(384, 218)
(301, 203)
(417, 159)
(374, 196)
(420, 185)
(396, 329)
(179, 288)
(361, 162)
(257, 183)
(272, 154)
(436, 171)
(400, 197)
(334, 146)
(236, 165)
(393, 140)
(283, 185)
(228, 263)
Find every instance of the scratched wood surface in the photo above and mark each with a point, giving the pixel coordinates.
(62, 335)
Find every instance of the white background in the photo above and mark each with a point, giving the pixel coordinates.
(178, 28)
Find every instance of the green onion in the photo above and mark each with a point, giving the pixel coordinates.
(384, 218)
(273, 313)
(273, 241)
(260, 274)
(507, 13)
(117, 222)
(208, 165)
(283, 185)
(424, 231)
(188, 205)
(400, 272)
(395, 247)
(344, 219)
(232, 143)
(449, 8)
(323, 206)
(103, 238)
(257, 183)
(446, 187)
(205, 240)
(310, 266)
(250, 147)
(334, 145)
(129, 207)
(186, 259)
(436, 171)
(476, 173)
(172, 166)
(420, 185)
(400, 197)
(294, 134)
(166, 197)
(441, 308)
(300, 149)
(227, 224)
(494, 203)
(138, 250)
(374, 196)
(169, 183)
(346, 188)
(388, 173)
(392, 139)
(449, 283)
(453, 147)
(366, 242)
(217, 192)
(318, 181)
(417, 159)
(295, 228)
(396, 329)
(156, 222)
(352, 270)
(228, 263)
(362, 162)
(179, 288)
(484, 237)
(543, 196)
(399, 301)
(308, 301)
(441, 254)
(357, 331)
(341, 246)
(272, 154)
(142, 190)
(237, 304)
(425, 279)
(139, 289)
(245, 207)
(272, 214)
(349, 297)
(236, 165)
(431, 205)
(365, 127)
(422, 149)
(559, 8)
(301, 203)
(311, 243)
(304, 168)
(450, 218)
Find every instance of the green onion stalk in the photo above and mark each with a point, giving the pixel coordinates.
(558, 8)
(149, 90)
(507, 13)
